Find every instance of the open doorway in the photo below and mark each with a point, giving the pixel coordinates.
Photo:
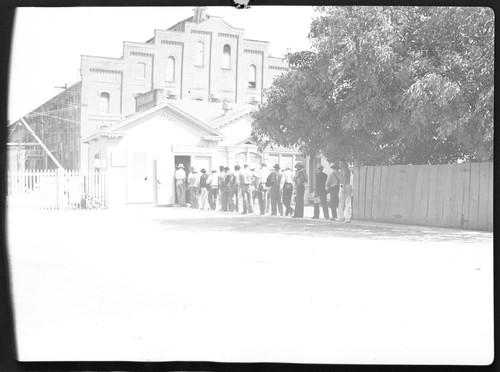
(186, 161)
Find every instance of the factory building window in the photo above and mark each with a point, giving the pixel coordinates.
(141, 70)
(170, 69)
(200, 53)
(226, 58)
(104, 104)
(252, 76)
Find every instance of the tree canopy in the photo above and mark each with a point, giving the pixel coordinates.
(387, 85)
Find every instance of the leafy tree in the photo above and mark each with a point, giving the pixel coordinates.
(386, 85)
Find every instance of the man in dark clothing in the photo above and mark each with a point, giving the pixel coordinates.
(224, 189)
(203, 189)
(300, 181)
(321, 192)
(275, 185)
(333, 185)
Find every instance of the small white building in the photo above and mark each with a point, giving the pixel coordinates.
(163, 133)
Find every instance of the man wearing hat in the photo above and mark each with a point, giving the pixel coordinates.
(276, 187)
(193, 187)
(287, 178)
(234, 195)
(300, 182)
(263, 189)
(180, 184)
(333, 185)
(246, 179)
(321, 192)
(220, 178)
(254, 185)
(212, 189)
(345, 193)
(203, 189)
(227, 182)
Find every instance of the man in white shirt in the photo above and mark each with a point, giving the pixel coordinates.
(203, 189)
(212, 183)
(193, 185)
(220, 178)
(254, 185)
(345, 193)
(287, 181)
(235, 192)
(276, 187)
(263, 189)
(180, 184)
(246, 179)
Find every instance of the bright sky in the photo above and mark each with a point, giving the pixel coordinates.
(48, 42)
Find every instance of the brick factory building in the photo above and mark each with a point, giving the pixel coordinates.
(201, 58)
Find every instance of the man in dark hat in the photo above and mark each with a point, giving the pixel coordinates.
(320, 192)
(333, 185)
(300, 185)
(276, 188)
(203, 189)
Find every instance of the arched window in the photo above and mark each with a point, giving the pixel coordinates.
(170, 69)
(226, 58)
(252, 76)
(254, 159)
(200, 53)
(104, 103)
(141, 70)
(241, 158)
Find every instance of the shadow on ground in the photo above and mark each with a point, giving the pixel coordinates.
(308, 228)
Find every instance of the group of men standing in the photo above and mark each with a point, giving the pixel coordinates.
(237, 190)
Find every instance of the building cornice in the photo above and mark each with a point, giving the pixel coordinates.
(253, 51)
(172, 42)
(105, 71)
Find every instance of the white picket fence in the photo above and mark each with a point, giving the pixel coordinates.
(56, 189)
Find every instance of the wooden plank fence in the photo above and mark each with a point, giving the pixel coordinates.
(56, 189)
(449, 195)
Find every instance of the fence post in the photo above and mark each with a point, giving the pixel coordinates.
(60, 188)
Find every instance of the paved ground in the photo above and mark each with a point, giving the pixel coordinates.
(144, 283)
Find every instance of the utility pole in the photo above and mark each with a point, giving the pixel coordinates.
(41, 143)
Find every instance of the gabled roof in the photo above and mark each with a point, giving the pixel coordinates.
(245, 140)
(120, 127)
